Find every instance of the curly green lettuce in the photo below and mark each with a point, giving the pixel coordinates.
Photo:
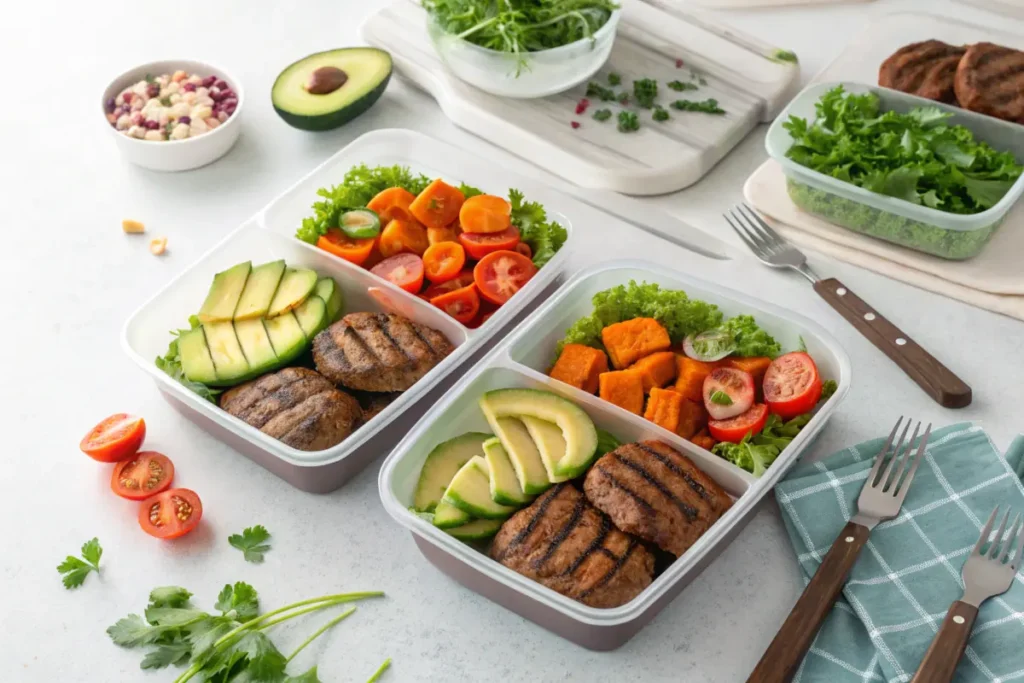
(544, 237)
(750, 340)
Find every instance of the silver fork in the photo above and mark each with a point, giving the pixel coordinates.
(773, 250)
(986, 575)
(880, 499)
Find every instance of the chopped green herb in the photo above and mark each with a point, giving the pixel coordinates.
(74, 570)
(614, 78)
(603, 114)
(645, 91)
(599, 91)
(149, 78)
(660, 114)
(784, 56)
(721, 398)
(679, 86)
(694, 76)
(828, 388)
(252, 542)
(165, 101)
(624, 99)
(628, 122)
(544, 237)
(708, 106)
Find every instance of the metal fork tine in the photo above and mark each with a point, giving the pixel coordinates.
(754, 235)
(768, 230)
(1020, 551)
(766, 240)
(986, 530)
(908, 455)
(1014, 531)
(880, 458)
(743, 236)
(883, 483)
(993, 552)
(905, 486)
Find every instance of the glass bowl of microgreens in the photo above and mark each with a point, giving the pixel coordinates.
(522, 48)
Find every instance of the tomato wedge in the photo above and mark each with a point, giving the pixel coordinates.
(118, 437)
(443, 261)
(728, 392)
(463, 279)
(792, 385)
(501, 274)
(145, 475)
(485, 213)
(171, 513)
(353, 250)
(461, 304)
(479, 245)
(404, 270)
(735, 428)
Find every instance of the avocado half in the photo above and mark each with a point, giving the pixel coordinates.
(328, 89)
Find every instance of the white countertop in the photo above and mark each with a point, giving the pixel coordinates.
(72, 279)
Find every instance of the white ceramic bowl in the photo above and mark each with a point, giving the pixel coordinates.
(174, 155)
(546, 72)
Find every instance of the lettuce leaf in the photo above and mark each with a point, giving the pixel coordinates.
(544, 237)
(170, 363)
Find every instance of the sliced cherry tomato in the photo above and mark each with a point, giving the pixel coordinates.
(524, 249)
(485, 213)
(463, 279)
(501, 274)
(735, 428)
(479, 245)
(404, 270)
(353, 250)
(145, 475)
(171, 513)
(461, 304)
(403, 237)
(118, 437)
(728, 392)
(443, 261)
(792, 385)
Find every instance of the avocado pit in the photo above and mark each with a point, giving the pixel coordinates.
(325, 80)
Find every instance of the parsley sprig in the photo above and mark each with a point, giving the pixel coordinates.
(74, 569)
(252, 542)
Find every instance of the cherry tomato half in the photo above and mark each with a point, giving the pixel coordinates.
(735, 428)
(171, 513)
(738, 387)
(404, 270)
(463, 279)
(792, 385)
(144, 475)
(118, 437)
(443, 261)
(461, 304)
(501, 274)
(479, 245)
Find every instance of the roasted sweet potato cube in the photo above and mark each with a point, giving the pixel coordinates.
(656, 370)
(693, 418)
(755, 365)
(629, 341)
(580, 366)
(690, 376)
(665, 408)
(623, 388)
(704, 440)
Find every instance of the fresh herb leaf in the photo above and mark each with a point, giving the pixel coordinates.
(308, 677)
(597, 90)
(721, 398)
(679, 86)
(660, 114)
(169, 596)
(603, 114)
(239, 601)
(645, 92)
(544, 237)
(628, 122)
(469, 191)
(252, 542)
(750, 340)
(74, 570)
(176, 653)
(614, 78)
(828, 388)
(708, 106)
(746, 455)
(266, 663)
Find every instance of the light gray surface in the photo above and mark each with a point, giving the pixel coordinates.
(72, 278)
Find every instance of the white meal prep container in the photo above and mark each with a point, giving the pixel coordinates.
(522, 361)
(269, 235)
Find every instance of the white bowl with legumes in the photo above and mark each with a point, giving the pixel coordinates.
(173, 115)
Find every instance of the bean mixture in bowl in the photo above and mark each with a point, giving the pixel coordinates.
(172, 106)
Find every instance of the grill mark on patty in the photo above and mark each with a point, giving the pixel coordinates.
(640, 500)
(620, 562)
(415, 330)
(286, 397)
(595, 545)
(563, 533)
(532, 524)
(998, 76)
(929, 57)
(690, 512)
(989, 55)
(1004, 97)
(354, 333)
(676, 469)
(385, 329)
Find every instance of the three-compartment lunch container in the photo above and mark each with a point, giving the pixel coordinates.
(919, 227)
(522, 361)
(269, 235)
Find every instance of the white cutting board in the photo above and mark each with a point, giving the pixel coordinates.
(660, 157)
(738, 4)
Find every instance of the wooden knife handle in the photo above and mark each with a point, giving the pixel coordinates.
(935, 378)
(780, 662)
(945, 652)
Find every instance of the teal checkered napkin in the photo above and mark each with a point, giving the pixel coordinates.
(909, 573)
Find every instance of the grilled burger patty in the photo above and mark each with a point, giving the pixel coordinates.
(372, 404)
(296, 406)
(990, 80)
(925, 69)
(562, 542)
(652, 491)
(378, 351)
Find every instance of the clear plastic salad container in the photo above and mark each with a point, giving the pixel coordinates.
(268, 236)
(522, 361)
(919, 227)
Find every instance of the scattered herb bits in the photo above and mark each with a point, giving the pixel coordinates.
(74, 570)
(603, 114)
(660, 114)
(599, 91)
(628, 122)
(624, 99)
(645, 91)
(679, 86)
(614, 78)
(694, 76)
(252, 542)
(708, 106)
